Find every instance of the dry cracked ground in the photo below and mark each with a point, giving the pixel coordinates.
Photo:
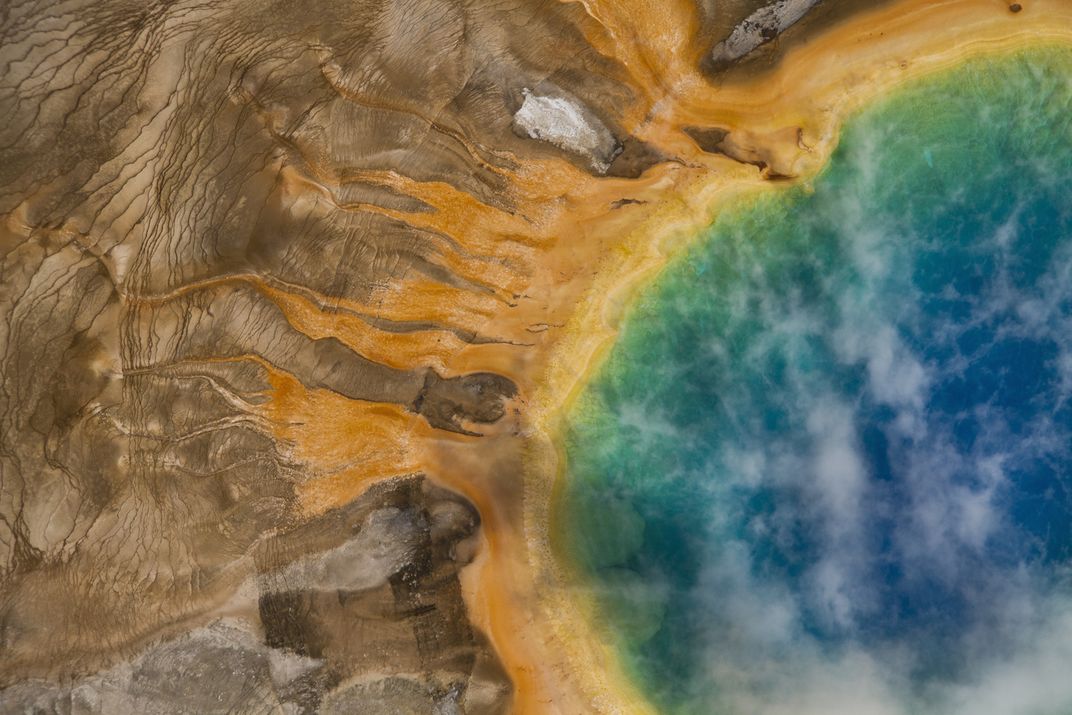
(252, 252)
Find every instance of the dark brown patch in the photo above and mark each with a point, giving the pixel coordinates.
(634, 159)
(479, 397)
(708, 139)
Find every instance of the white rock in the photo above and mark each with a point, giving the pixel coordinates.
(569, 125)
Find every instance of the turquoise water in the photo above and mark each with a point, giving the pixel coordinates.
(827, 466)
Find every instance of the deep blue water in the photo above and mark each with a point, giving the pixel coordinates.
(827, 466)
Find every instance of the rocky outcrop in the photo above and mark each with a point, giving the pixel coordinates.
(759, 28)
(359, 610)
(566, 123)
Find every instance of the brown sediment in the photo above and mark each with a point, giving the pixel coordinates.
(292, 273)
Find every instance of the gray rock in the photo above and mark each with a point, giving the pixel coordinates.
(759, 28)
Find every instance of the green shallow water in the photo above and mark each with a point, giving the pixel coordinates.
(827, 466)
